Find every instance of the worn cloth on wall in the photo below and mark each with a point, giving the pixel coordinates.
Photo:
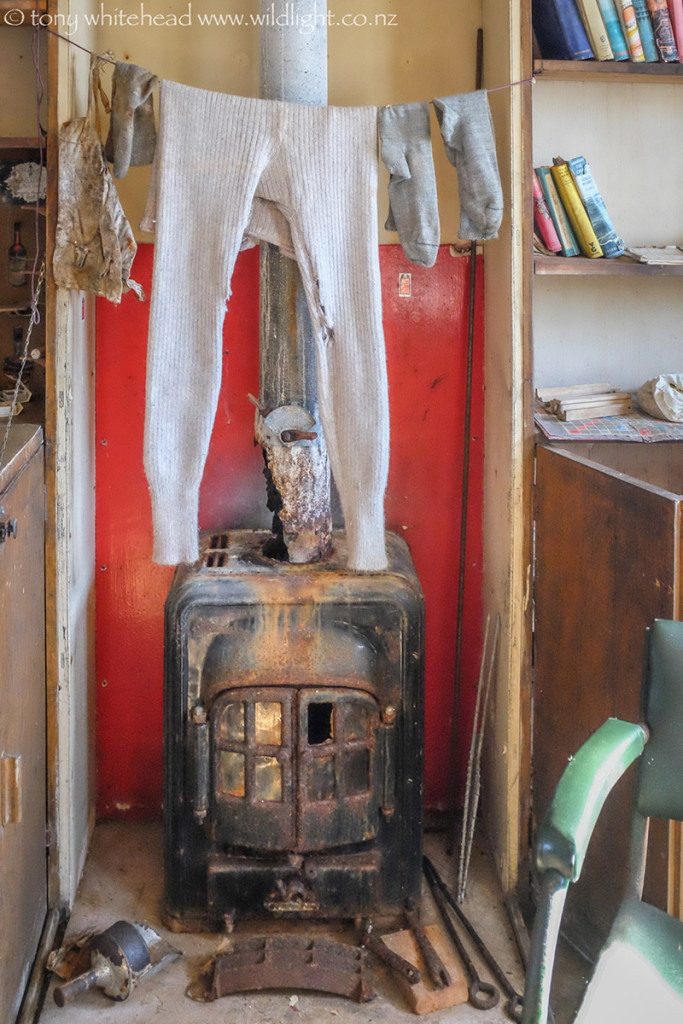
(467, 133)
(94, 243)
(318, 167)
(132, 132)
(406, 147)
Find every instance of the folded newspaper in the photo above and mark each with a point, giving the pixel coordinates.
(663, 254)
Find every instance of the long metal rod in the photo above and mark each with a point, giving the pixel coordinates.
(470, 763)
(468, 839)
(464, 504)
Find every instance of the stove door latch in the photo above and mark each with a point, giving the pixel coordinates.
(201, 754)
(388, 741)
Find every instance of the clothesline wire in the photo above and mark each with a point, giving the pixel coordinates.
(77, 45)
(495, 88)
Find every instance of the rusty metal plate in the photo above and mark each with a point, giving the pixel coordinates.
(286, 962)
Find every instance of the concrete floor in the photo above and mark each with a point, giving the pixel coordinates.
(123, 879)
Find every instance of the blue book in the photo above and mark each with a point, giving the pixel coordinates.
(559, 30)
(610, 243)
(615, 32)
(647, 36)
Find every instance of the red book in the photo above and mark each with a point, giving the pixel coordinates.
(676, 16)
(543, 221)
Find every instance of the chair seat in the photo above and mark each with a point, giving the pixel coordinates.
(639, 976)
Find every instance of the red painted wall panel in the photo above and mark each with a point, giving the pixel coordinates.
(426, 337)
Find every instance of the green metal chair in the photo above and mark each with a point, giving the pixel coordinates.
(639, 973)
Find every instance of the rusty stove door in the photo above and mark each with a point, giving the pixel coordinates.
(252, 768)
(295, 769)
(337, 768)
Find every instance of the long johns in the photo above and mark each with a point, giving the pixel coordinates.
(318, 165)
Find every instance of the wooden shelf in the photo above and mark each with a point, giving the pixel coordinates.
(21, 142)
(606, 71)
(574, 266)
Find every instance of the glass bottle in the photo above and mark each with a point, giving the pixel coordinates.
(17, 259)
(18, 342)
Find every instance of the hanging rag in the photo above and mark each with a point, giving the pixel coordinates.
(132, 132)
(407, 154)
(318, 167)
(467, 133)
(94, 243)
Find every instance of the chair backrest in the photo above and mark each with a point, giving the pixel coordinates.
(660, 769)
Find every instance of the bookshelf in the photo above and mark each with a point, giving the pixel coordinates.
(600, 71)
(601, 320)
(574, 266)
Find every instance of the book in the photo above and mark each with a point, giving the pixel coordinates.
(609, 241)
(542, 219)
(663, 32)
(595, 29)
(615, 32)
(647, 36)
(565, 233)
(559, 30)
(576, 211)
(668, 255)
(676, 16)
(630, 26)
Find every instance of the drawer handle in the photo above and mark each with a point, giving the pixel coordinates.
(10, 790)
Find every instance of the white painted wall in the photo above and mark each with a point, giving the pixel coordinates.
(624, 329)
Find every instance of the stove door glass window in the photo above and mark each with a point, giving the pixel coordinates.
(295, 769)
(338, 770)
(252, 792)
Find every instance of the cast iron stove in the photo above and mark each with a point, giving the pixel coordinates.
(293, 735)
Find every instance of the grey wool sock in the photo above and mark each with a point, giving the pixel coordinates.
(407, 155)
(467, 132)
(132, 132)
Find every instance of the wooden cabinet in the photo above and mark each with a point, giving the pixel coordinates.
(608, 561)
(23, 854)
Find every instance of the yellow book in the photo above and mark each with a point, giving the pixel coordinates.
(576, 211)
(595, 27)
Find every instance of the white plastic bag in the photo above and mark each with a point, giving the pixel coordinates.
(662, 397)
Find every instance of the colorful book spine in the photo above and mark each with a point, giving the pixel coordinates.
(630, 25)
(661, 26)
(647, 36)
(614, 30)
(576, 211)
(543, 221)
(559, 30)
(676, 15)
(595, 28)
(610, 243)
(570, 246)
